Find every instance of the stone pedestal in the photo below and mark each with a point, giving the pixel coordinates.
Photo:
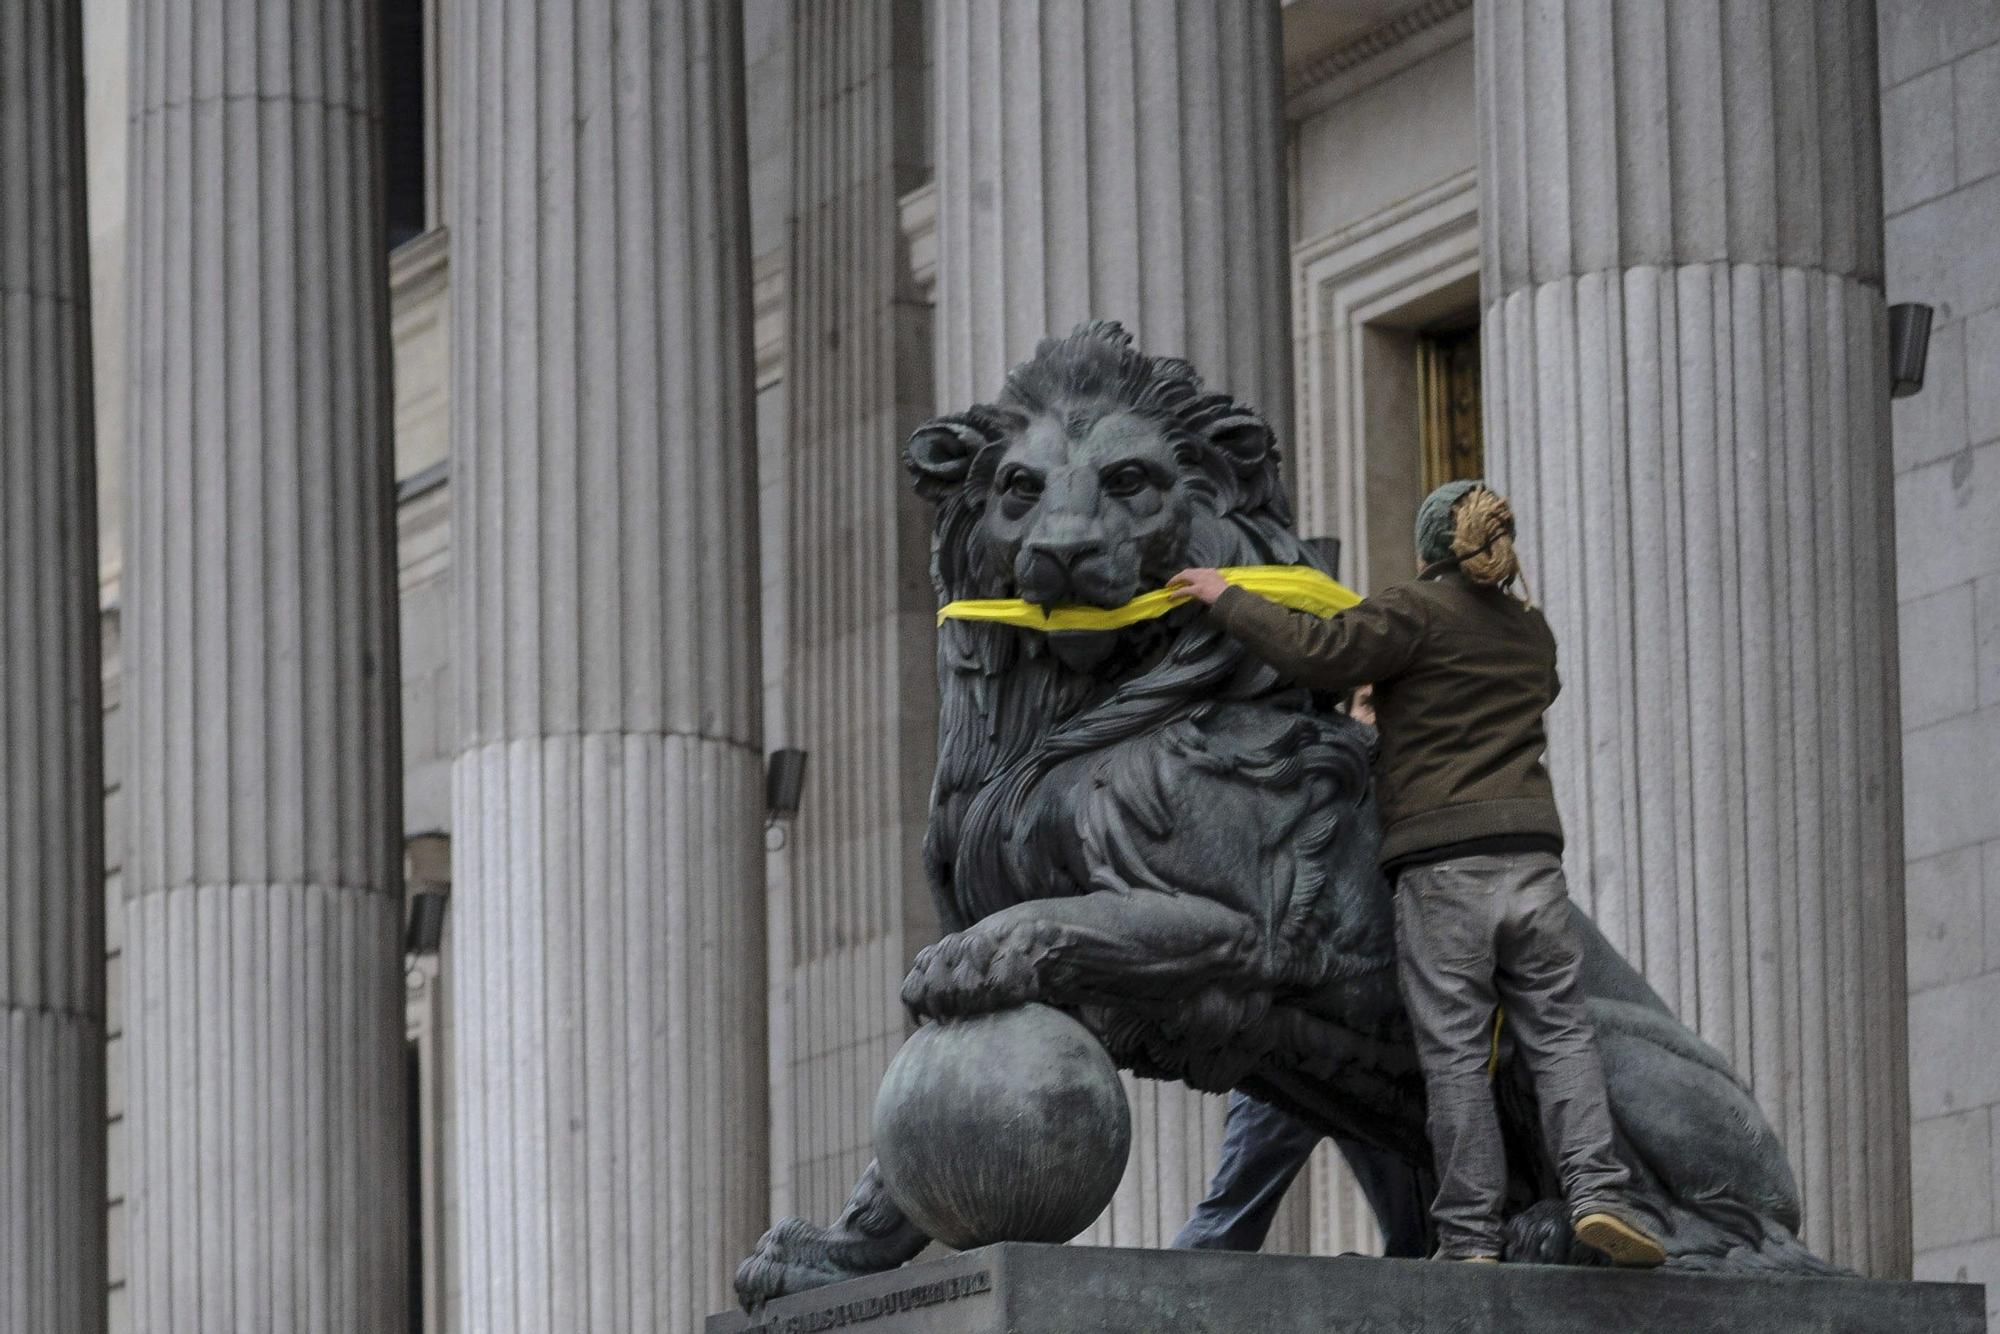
(1687, 400)
(1023, 1289)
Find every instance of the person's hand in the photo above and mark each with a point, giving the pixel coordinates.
(1204, 585)
(1362, 707)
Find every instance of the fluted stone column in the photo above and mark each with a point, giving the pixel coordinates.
(1687, 399)
(1113, 159)
(263, 963)
(1118, 159)
(52, 1253)
(862, 662)
(607, 918)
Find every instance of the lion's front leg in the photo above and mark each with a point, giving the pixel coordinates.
(1107, 947)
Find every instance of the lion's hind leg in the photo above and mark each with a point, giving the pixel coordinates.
(1708, 1163)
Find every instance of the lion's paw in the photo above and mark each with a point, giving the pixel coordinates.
(970, 972)
(794, 1256)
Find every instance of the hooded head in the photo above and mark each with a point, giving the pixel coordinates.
(1469, 527)
(1435, 524)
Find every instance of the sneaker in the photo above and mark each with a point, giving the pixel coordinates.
(1468, 1259)
(1625, 1242)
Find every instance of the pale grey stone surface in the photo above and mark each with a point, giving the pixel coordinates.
(767, 62)
(1679, 160)
(107, 124)
(1940, 664)
(1982, 349)
(1918, 34)
(1947, 915)
(1990, 856)
(52, 1080)
(1948, 1025)
(859, 662)
(263, 1027)
(1942, 251)
(1919, 143)
(1946, 1153)
(1976, 131)
(1684, 340)
(1951, 798)
(1118, 160)
(1387, 143)
(606, 933)
(1946, 514)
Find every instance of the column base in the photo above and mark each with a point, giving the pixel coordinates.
(1028, 1289)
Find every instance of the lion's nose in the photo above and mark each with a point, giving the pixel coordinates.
(1047, 571)
(1066, 553)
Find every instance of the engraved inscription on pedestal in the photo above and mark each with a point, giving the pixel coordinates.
(841, 1314)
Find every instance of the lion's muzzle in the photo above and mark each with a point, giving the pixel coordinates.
(1055, 574)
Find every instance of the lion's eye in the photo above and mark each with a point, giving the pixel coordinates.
(1129, 480)
(1023, 484)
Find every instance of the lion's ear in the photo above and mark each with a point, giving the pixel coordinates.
(1241, 443)
(941, 452)
(1242, 436)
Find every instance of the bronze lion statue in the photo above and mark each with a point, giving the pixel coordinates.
(1152, 830)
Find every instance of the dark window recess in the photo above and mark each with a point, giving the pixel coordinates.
(403, 118)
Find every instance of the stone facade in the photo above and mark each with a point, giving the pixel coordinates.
(1940, 76)
(1382, 201)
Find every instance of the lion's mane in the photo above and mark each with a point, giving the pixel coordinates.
(1010, 710)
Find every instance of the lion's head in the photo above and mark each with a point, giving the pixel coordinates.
(1099, 473)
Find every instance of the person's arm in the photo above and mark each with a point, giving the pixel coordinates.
(1372, 641)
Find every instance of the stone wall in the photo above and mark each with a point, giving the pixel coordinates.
(1940, 64)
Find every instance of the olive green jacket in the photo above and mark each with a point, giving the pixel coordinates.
(1462, 676)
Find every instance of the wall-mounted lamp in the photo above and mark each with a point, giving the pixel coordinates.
(424, 932)
(784, 781)
(427, 875)
(1909, 347)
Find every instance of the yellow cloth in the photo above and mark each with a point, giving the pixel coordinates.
(1297, 586)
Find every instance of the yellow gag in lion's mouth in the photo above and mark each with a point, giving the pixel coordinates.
(1300, 587)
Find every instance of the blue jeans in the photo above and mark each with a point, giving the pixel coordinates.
(1263, 1150)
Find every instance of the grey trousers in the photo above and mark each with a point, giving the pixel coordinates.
(1474, 933)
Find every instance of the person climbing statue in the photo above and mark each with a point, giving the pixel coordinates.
(1463, 671)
